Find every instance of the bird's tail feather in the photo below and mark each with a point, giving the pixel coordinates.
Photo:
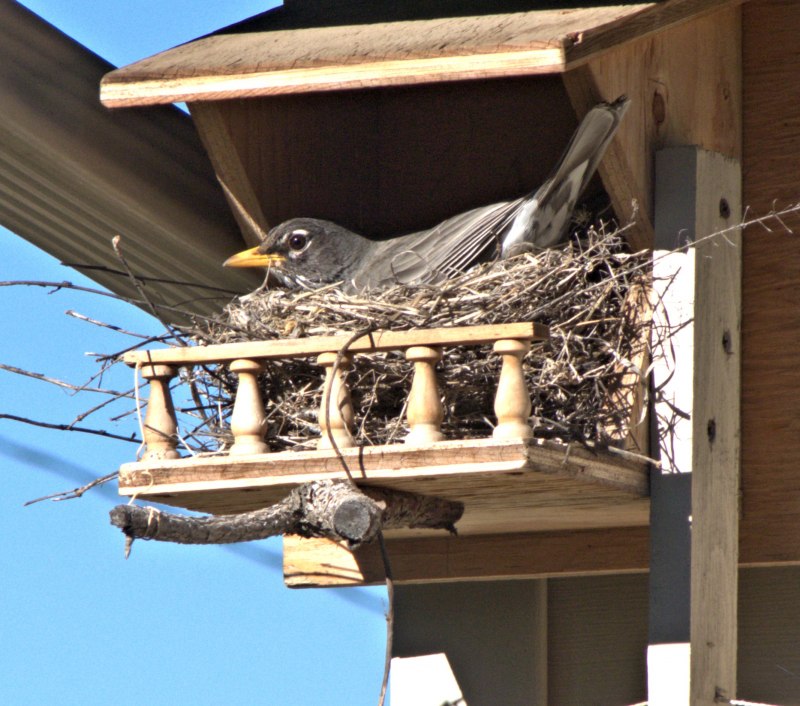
(590, 140)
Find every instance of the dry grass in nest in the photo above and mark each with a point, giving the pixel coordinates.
(579, 290)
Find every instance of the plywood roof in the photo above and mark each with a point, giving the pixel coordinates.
(279, 60)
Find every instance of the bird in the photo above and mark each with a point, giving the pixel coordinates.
(308, 253)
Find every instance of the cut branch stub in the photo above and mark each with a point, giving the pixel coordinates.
(248, 420)
(425, 410)
(513, 403)
(334, 509)
(337, 422)
(160, 423)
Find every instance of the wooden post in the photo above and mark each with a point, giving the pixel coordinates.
(160, 424)
(341, 414)
(693, 576)
(716, 432)
(248, 421)
(513, 403)
(425, 411)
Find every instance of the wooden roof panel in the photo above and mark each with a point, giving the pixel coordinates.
(238, 65)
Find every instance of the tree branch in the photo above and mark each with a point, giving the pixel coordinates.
(145, 278)
(75, 492)
(332, 509)
(69, 427)
(60, 383)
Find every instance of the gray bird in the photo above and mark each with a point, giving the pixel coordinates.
(309, 252)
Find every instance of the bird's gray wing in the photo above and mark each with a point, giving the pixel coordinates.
(543, 219)
(449, 248)
(538, 220)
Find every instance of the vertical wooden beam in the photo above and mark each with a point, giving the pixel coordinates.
(698, 197)
(539, 640)
(716, 430)
(770, 532)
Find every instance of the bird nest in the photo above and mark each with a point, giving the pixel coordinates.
(583, 382)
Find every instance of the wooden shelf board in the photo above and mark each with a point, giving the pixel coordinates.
(310, 563)
(507, 486)
(242, 65)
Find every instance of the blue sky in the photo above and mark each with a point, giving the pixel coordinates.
(174, 624)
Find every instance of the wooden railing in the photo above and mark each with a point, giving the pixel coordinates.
(424, 410)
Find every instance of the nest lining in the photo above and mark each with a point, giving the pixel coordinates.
(577, 380)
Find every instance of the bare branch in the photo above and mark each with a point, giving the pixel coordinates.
(145, 278)
(75, 492)
(65, 284)
(332, 509)
(57, 286)
(62, 383)
(387, 661)
(67, 427)
(81, 317)
(116, 243)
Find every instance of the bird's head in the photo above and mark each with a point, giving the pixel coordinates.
(304, 252)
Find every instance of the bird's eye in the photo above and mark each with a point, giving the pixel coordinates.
(297, 241)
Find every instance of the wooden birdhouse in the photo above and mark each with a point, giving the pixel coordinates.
(387, 124)
(389, 117)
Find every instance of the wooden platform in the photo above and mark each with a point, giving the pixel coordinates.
(507, 486)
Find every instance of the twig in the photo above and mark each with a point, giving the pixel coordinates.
(116, 243)
(67, 427)
(75, 492)
(114, 357)
(81, 317)
(387, 661)
(57, 286)
(146, 278)
(62, 383)
(88, 412)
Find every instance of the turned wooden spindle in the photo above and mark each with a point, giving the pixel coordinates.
(160, 423)
(342, 416)
(425, 411)
(512, 404)
(248, 420)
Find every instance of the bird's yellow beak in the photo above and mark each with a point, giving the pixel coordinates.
(253, 258)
